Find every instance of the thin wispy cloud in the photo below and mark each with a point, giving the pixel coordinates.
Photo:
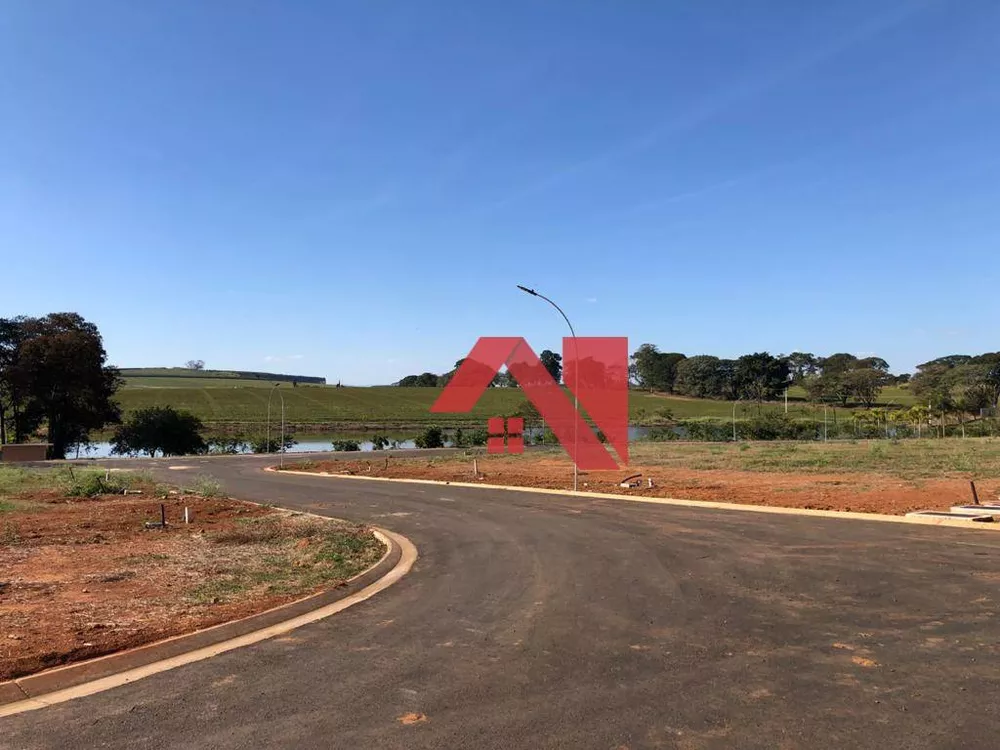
(716, 105)
(382, 197)
(684, 195)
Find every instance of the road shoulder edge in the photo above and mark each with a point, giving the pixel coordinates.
(103, 673)
(702, 504)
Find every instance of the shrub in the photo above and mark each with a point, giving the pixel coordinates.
(346, 445)
(159, 428)
(432, 437)
(768, 426)
(274, 445)
(546, 437)
(663, 434)
(706, 430)
(228, 444)
(476, 437)
(379, 442)
(206, 486)
(94, 483)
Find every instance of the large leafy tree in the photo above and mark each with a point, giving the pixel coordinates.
(761, 376)
(654, 369)
(423, 380)
(986, 372)
(11, 401)
(701, 376)
(553, 363)
(801, 365)
(53, 371)
(842, 377)
(959, 382)
(933, 383)
(160, 429)
(865, 384)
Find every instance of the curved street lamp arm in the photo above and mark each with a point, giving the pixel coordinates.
(533, 293)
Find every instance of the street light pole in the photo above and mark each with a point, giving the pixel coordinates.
(576, 382)
(267, 434)
(281, 456)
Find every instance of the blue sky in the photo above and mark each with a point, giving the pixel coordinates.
(354, 189)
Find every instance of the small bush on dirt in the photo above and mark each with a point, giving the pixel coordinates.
(379, 442)
(94, 483)
(206, 486)
(346, 445)
(432, 437)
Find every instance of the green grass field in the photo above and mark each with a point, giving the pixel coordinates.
(239, 400)
(909, 460)
(906, 459)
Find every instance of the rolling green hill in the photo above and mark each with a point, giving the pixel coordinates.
(165, 377)
(239, 400)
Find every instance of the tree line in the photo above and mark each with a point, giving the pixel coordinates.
(959, 382)
(550, 360)
(955, 383)
(761, 376)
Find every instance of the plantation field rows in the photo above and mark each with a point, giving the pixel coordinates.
(232, 400)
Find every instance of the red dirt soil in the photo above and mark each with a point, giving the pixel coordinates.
(859, 492)
(85, 578)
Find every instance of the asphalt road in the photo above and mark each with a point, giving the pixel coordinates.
(536, 621)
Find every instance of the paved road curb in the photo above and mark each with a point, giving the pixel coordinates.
(708, 504)
(85, 678)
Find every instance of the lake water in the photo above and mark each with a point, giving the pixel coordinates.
(325, 443)
(103, 450)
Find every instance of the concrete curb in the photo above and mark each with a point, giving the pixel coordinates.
(706, 504)
(103, 673)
